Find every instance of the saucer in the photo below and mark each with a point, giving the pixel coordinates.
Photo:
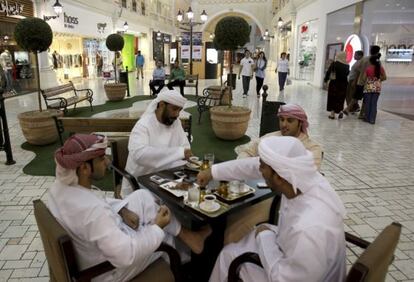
(193, 165)
(213, 208)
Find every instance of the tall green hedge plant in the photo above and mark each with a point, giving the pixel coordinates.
(34, 35)
(115, 43)
(230, 34)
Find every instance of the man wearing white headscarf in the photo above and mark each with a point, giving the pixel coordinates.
(158, 141)
(124, 232)
(308, 244)
(293, 122)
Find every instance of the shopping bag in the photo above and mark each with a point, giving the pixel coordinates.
(288, 81)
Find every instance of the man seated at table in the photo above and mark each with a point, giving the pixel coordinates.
(293, 122)
(308, 244)
(124, 232)
(177, 78)
(158, 79)
(158, 141)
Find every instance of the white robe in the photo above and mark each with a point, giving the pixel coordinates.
(154, 146)
(99, 234)
(307, 245)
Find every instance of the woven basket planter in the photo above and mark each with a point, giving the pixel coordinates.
(39, 128)
(229, 123)
(115, 91)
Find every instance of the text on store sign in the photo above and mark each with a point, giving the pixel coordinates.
(10, 9)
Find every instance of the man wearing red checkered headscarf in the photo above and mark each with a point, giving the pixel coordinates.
(124, 232)
(293, 121)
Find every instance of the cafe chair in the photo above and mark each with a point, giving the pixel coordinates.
(119, 151)
(371, 266)
(63, 266)
(269, 121)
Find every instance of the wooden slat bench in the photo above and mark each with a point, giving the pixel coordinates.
(55, 98)
(191, 81)
(89, 125)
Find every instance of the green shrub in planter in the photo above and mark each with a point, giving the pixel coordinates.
(230, 34)
(115, 43)
(34, 35)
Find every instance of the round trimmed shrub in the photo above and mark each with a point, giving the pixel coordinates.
(115, 42)
(231, 33)
(33, 35)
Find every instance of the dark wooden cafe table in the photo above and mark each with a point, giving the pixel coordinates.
(202, 265)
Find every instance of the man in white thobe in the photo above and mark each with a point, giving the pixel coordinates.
(158, 141)
(308, 244)
(124, 232)
(293, 122)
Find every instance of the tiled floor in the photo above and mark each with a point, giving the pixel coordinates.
(371, 167)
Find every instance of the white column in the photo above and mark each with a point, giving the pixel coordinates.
(47, 73)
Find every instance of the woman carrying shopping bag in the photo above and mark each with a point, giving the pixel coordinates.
(337, 75)
(373, 77)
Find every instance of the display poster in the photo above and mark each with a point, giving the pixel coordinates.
(197, 52)
(212, 56)
(197, 45)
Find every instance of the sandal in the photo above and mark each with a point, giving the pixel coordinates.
(331, 117)
(341, 115)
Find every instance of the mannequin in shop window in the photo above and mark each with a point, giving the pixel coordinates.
(99, 63)
(119, 63)
(6, 62)
(55, 58)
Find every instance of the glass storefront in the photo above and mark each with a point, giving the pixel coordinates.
(385, 23)
(76, 57)
(18, 65)
(307, 42)
(390, 25)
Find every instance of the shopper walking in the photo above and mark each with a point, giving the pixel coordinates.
(282, 70)
(337, 75)
(260, 67)
(246, 71)
(372, 78)
(139, 64)
(351, 97)
(374, 50)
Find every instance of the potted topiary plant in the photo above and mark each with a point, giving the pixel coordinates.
(115, 91)
(230, 122)
(35, 35)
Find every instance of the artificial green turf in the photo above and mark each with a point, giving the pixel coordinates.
(204, 140)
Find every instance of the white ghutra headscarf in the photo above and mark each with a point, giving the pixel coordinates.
(290, 160)
(169, 96)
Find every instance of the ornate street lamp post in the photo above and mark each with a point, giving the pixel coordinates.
(191, 24)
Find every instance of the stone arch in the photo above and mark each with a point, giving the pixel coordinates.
(235, 12)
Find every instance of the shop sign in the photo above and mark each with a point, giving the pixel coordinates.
(400, 55)
(352, 44)
(11, 8)
(70, 21)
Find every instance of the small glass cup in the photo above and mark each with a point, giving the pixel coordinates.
(210, 158)
(193, 195)
(234, 187)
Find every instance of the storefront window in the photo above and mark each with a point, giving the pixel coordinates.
(340, 25)
(18, 65)
(143, 8)
(134, 6)
(308, 39)
(389, 24)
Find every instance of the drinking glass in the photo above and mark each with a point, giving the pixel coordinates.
(193, 195)
(210, 158)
